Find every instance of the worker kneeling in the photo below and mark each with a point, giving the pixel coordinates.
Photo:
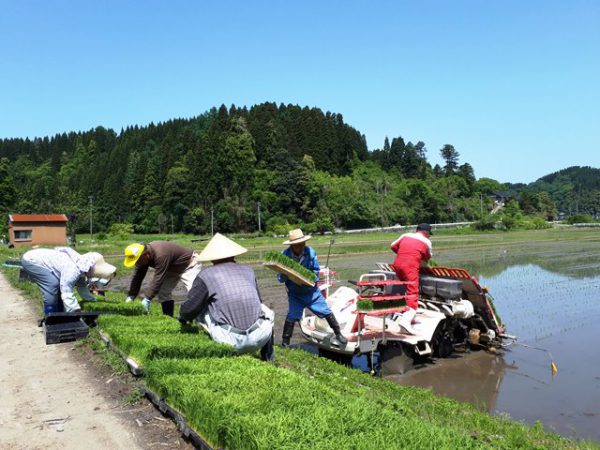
(225, 301)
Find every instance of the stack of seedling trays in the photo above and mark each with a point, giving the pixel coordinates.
(66, 327)
(284, 265)
(379, 303)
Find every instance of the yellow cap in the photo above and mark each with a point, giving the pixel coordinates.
(132, 254)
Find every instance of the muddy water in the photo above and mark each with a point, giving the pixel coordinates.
(548, 294)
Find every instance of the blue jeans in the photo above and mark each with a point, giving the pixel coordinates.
(315, 302)
(48, 283)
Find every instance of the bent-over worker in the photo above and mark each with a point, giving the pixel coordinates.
(301, 296)
(58, 271)
(226, 301)
(171, 263)
(413, 250)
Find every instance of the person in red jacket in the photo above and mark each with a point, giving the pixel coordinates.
(413, 250)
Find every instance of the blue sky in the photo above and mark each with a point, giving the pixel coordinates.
(514, 85)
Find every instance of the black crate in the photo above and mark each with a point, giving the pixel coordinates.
(64, 329)
(448, 289)
(427, 285)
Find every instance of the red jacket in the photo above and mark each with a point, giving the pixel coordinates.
(411, 249)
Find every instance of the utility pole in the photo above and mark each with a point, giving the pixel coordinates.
(91, 197)
(258, 208)
(481, 204)
(212, 222)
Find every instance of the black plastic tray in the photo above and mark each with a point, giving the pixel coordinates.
(65, 330)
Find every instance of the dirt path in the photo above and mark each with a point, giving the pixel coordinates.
(52, 396)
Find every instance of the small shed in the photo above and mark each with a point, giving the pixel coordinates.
(37, 229)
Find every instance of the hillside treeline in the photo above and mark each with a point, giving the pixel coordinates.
(233, 169)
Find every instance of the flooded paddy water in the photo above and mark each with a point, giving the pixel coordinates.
(547, 293)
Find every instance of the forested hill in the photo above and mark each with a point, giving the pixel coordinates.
(582, 178)
(574, 190)
(231, 167)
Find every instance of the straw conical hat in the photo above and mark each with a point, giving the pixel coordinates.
(296, 237)
(220, 247)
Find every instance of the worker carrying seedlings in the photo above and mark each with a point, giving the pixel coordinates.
(300, 297)
(58, 271)
(226, 301)
(413, 250)
(171, 263)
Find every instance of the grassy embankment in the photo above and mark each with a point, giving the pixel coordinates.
(303, 401)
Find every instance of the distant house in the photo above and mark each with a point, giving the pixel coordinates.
(500, 198)
(37, 229)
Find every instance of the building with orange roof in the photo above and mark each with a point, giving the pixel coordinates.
(37, 229)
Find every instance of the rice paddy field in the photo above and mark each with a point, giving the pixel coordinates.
(545, 284)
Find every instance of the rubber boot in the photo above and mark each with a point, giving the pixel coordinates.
(288, 330)
(405, 321)
(267, 352)
(168, 307)
(335, 326)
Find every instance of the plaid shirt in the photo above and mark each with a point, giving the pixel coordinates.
(230, 292)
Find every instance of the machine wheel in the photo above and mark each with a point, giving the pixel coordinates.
(441, 341)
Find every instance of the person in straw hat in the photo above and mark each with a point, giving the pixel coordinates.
(58, 271)
(226, 302)
(412, 250)
(171, 263)
(300, 297)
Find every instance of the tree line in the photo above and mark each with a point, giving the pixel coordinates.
(233, 169)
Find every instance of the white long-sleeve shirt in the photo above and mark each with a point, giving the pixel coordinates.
(67, 265)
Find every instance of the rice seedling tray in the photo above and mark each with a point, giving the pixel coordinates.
(177, 417)
(134, 367)
(295, 271)
(294, 276)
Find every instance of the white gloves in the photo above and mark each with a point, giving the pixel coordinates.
(70, 302)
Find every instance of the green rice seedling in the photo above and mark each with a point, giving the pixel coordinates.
(137, 321)
(126, 309)
(143, 347)
(255, 405)
(144, 324)
(370, 305)
(495, 432)
(279, 258)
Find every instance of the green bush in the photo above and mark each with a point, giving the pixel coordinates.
(580, 218)
(535, 223)
(278, 226)
(487, 222)
(120, 230)
(100, 236)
